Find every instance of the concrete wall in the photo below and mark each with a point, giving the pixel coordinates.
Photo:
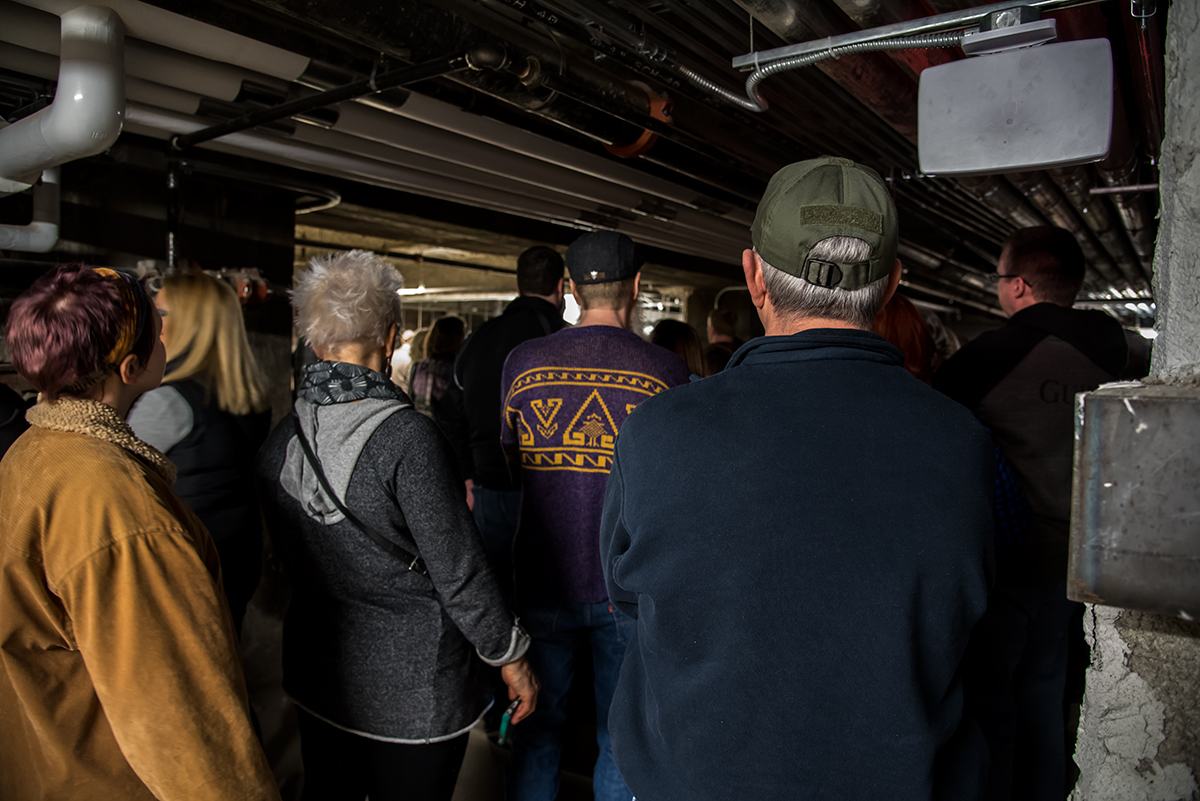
(1139, 734)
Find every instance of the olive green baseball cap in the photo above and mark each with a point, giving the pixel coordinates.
(813, 200)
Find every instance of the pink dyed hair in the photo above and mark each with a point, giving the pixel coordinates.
(62, 328)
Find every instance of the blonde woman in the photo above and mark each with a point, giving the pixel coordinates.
(210, 417)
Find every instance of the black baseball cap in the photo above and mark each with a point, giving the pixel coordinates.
(601, 257)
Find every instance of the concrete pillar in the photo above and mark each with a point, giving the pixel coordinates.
(1139, 734)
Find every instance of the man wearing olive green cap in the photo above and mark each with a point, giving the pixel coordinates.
(804, 538)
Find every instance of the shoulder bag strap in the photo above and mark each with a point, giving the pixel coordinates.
(414, 563)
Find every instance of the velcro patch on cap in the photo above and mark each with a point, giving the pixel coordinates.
(851, 216)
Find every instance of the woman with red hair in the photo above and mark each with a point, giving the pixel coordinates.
(119, 675)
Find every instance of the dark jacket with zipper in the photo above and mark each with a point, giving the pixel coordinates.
(1021, 382)
(805, 540)
(368, 645)
(478, 371)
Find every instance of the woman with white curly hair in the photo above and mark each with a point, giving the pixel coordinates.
(395, 613)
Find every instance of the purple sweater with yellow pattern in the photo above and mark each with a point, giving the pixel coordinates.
(566, 396)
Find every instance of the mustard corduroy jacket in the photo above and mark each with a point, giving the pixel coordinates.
(119, 674)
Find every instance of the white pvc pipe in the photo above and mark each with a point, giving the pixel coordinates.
(157, 122)
(36, 30)
(41, 235)
(178, 32)
(89, 104)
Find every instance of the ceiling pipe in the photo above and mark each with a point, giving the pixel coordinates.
(180, 77)
(1050, 201)
(30, 28)
(877, 13)
(41, 235)
(177, 32)
(1121, 169)
(161, 123)
(88, 109)
(998, 195)
(477, 58)
(1077, 183)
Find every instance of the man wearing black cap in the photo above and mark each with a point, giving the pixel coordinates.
(567, 396)
(803, 608)
(537, 312)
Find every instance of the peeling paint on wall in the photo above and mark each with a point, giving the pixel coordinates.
(1122, 726)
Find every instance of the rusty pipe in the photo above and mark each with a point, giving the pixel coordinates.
(1048, 199)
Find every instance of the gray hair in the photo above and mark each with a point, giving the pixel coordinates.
(347, 297)
(795, 297)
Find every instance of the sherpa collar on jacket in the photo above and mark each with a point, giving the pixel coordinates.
(98, 420)
(817, 344)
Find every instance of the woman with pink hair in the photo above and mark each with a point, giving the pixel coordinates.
(119, 675)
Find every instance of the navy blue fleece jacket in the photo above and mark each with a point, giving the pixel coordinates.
(805, 541)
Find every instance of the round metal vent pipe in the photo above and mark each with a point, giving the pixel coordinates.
(88, 109)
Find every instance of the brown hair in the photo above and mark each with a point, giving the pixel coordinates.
(1049, 259)
(682, 340)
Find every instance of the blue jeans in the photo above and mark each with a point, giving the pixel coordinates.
(558, 632)
(496, 514)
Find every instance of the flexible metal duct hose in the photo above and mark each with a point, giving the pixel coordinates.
(754, 100)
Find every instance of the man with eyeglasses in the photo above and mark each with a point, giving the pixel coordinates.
(1021, 382)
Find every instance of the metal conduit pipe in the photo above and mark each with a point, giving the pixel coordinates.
(86, 115)
(1049, 200)
(41, 235)
(876, 13)
(160, 124)
(1076, 183)
(1002, 198)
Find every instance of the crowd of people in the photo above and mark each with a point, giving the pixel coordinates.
(827, 562)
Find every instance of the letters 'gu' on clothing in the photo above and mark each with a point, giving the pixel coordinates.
(568, 395)
(1021, 381)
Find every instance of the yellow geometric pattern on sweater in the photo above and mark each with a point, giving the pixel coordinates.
(585, 444)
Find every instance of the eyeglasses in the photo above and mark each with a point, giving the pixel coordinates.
(996, 278)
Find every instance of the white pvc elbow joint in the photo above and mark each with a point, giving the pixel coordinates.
(89, 104)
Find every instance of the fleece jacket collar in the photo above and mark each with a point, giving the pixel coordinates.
(95, 419)
(817, 344)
